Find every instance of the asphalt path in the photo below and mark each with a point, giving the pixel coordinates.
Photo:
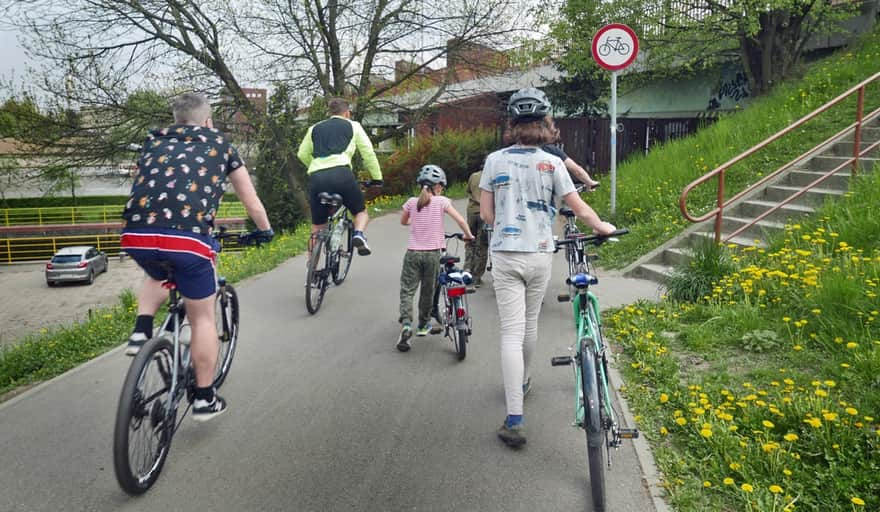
(326, 415)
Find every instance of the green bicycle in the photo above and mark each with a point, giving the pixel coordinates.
(594, 410)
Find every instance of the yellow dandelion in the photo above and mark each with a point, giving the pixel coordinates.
(775, 489)
(852, 411)
(747, 487)
(734, 466)
(728, 481)
(813, 422)
(857, 501)
(829, 416)
(664, 398)
(768, 424)
(707, 484)
(852, 345)
(790, 437)
(681, 421)
(707, 433)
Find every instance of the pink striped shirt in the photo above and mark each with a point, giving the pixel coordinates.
(426, 226)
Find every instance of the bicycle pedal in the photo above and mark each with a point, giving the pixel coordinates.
(563, 297)
(628, 433)
(560, 361)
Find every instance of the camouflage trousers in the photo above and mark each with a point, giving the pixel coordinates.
(477, 250)
(420, 270)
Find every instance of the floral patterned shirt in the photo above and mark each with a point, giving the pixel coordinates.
(181, 179)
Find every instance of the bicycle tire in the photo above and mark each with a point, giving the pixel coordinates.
(623, 49)
(570, 252)
(316, 278)
(460, 336)
(604, 49)
(226, 316)
(593, 425)
(344, 255)
(134, 412)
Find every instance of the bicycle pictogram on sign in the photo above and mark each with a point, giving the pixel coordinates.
(615, 46)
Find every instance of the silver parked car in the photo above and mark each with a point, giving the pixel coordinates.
(80, 263)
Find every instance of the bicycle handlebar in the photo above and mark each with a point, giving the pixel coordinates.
(589, 238)
(580, 187)
(257, 237)
(448, 236)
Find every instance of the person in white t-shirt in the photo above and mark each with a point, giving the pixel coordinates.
(520, 188)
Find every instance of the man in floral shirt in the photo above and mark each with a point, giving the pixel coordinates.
(169, 217)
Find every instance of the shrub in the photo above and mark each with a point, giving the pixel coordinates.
(459, 153)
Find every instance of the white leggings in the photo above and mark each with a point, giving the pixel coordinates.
(521, 280)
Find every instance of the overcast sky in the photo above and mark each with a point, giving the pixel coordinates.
(12, 59)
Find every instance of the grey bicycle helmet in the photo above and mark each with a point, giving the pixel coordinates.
(528, 103)
(431, 175)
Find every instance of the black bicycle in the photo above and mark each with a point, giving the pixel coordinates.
(331, 252)
(161, 377)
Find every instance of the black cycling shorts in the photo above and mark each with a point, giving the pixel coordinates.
(335, 180)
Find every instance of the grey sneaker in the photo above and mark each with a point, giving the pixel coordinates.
(513, 436)
(403, 341)
(204, 410)
(135, 342)
(360, 242)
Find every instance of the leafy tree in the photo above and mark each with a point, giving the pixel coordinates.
(276, 145)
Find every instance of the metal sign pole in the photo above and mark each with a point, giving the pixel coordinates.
(613, 142)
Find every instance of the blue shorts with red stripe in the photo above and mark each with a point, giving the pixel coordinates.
(192, 258)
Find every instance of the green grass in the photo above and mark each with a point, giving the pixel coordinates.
(51, 352)
(648, 187)
(764, 394)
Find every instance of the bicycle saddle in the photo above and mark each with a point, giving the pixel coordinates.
(449, 259)
(332, 199)
(568, 212)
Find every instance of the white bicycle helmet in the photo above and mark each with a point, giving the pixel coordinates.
(528, 103)
(431, 175)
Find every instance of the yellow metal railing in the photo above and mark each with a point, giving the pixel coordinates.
(30, 249)
(87, 214)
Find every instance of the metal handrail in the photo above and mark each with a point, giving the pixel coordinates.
(720, 171)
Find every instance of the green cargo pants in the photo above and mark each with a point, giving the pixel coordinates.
(420, 268)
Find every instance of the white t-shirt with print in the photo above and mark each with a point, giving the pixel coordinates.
(528, 184)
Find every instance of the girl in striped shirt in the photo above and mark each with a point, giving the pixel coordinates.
(421, 264)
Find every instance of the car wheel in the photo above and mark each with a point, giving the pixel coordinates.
(51, 284)
(106, 264)
(91, 277)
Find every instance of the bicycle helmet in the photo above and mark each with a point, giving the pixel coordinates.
(528, 103)
(431, 175)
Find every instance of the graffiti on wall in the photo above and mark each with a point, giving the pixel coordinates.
(736, 88)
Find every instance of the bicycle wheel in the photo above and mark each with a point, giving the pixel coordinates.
(593, 424)
(143, 431)
(570, 252)
(460, 338)
(226, 317)
(316, 279)
(604, 49)
(344, 254)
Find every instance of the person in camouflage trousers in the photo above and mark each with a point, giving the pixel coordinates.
(477, 250)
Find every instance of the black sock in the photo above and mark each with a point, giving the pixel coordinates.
(206, 394)
(144, 325)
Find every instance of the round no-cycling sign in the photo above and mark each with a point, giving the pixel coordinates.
(615, 46)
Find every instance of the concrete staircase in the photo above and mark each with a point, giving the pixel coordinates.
(661, 262)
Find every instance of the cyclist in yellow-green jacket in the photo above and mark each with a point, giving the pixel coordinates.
(327, 150)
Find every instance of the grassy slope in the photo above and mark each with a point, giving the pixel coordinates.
(764, 394)
(649, 186)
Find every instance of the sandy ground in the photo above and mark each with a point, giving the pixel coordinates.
(27, 304)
